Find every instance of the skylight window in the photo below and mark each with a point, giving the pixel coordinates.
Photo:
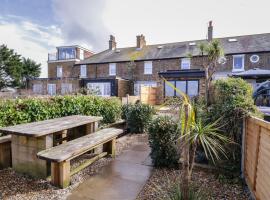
(192, 43)
(232, 40)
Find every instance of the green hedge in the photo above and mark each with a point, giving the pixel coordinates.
(138, 116)
(20, 111)
(163, 134)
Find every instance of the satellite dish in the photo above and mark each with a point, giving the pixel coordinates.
(222, 60)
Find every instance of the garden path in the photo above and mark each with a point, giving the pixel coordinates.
(122, 179)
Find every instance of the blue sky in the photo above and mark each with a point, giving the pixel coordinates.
(34, 27)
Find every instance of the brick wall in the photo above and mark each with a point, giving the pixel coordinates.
(44, 82)
(68, 69)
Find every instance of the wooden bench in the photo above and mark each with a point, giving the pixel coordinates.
(61, 155)
(5, 151)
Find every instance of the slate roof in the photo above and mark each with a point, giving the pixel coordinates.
(244, 44)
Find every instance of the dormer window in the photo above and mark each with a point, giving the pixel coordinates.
(112, 69)
(238, 63)
(185, 63)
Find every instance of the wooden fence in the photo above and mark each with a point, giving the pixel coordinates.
(256, 160)
(149, 95)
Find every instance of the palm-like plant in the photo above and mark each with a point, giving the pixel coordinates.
(192, 134)
(211, 53)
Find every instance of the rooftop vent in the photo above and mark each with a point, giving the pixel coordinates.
(160, 47)
(192, 44)
(232, 40)
(117, 50)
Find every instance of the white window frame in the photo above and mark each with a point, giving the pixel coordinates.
(148, 67)
(112, 69)
(37, 88)
(51, 88)
(83, 71)
(185, 61)
(81, 54)
(102, 88)
(243, 63)
(66, 88)
(59, 71)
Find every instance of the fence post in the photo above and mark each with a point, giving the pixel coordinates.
(127, 98)
(243, 148)
(257, 158)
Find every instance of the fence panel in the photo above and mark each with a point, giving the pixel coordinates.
(257, 157)
(148, 95)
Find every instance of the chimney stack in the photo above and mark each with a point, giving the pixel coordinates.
(140, 41)
(112, 43)
(210, 32)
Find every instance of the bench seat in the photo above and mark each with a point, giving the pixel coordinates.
(61, 155)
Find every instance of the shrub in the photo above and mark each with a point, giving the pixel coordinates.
(19, 111)
(138, 116)
(163, 134)
(232, 101)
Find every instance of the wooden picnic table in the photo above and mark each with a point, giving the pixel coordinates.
(29, 139)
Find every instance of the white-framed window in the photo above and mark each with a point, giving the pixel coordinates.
(83, 71)
(190, 87)
(185, 63)
(66, 88)
(139, 84)
(112, 69)
(100, 88)
(51, 89)
(59, 71)
(37, 88)
(148, 67)
(81, 54)
(238, 62)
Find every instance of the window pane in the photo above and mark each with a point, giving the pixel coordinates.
(238, 62)
(185, 63)
(101, 89)
(181, 85)
(169, 91)
(112, 69)
(83, 70)
(59, 71)
(148, 67)
(193, 87)
(66, 53)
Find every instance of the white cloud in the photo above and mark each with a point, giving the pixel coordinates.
(30, 40)
(179, 20)
(81, 22)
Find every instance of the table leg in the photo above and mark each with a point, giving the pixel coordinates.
(24, 151)
(91, 127)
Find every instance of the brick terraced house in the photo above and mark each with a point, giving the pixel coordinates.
(118, 71)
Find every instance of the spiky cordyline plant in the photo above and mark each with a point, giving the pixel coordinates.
(193, 133)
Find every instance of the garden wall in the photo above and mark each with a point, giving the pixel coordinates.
(256, 158)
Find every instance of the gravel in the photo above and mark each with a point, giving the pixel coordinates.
(207, 181)
(16, 186)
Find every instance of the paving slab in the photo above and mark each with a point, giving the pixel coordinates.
(122, 179)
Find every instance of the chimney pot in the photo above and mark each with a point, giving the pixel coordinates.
(112, 43)
(141, 41)
(210, 32)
